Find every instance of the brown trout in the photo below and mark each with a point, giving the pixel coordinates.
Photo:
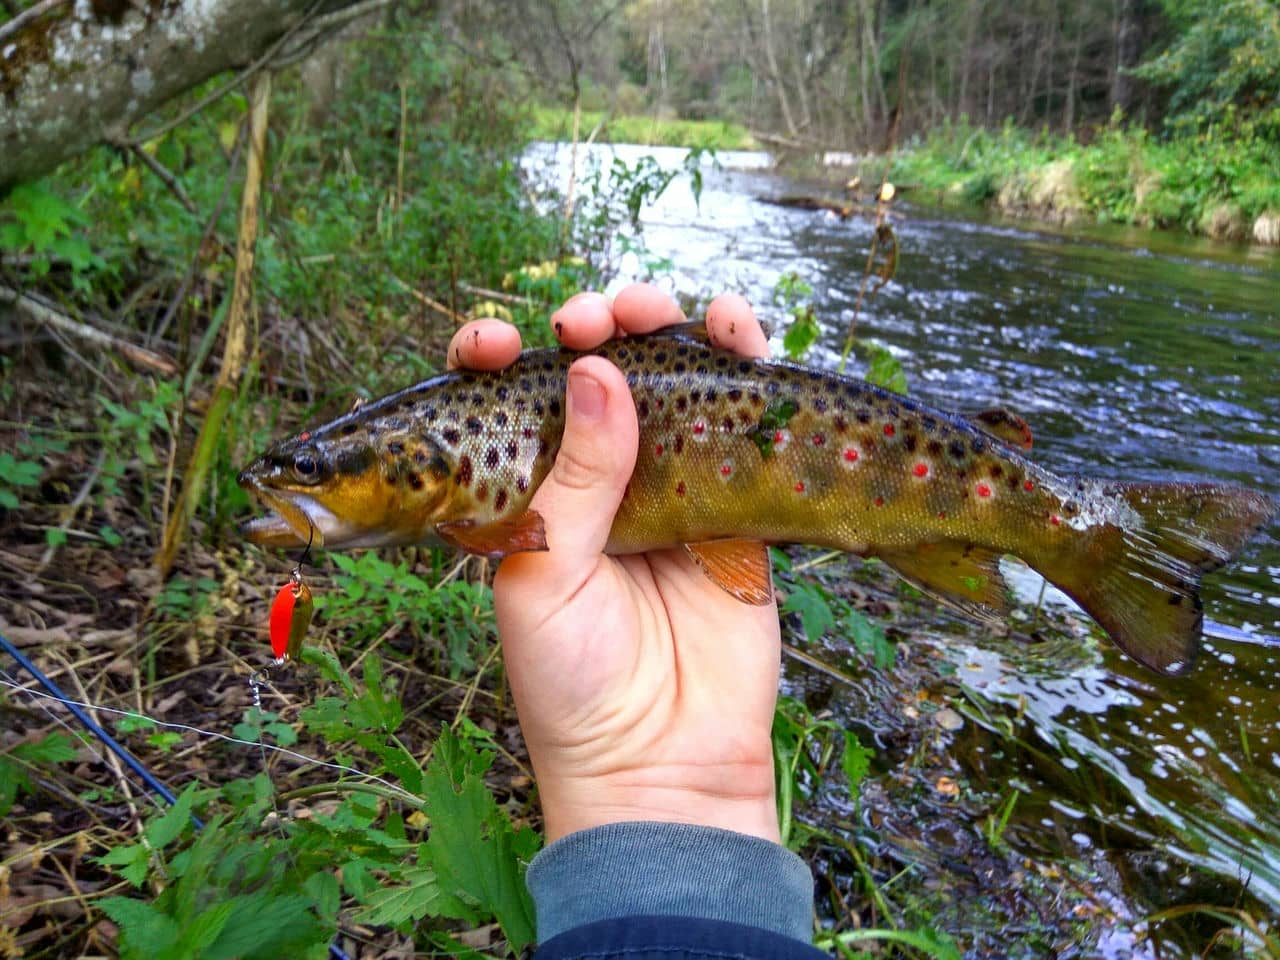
(737, 453)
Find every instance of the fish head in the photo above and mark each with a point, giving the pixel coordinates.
(361, 481)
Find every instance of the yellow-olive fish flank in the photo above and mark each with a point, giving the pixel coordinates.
(736, 452)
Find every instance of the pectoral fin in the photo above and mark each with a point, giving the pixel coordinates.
(957, 573)
(521, 534)
(1008, 428)
(740, 567)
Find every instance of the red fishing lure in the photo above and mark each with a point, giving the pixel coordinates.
(290, 617)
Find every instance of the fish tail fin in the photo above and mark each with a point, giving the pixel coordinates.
(1139, 576)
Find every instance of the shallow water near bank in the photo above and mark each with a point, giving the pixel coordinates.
(1132, 355)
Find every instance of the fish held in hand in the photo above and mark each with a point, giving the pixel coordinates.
(735, 453)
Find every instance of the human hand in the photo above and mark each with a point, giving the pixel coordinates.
(644, 691)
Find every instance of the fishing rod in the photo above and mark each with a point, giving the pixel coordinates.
(132, 762)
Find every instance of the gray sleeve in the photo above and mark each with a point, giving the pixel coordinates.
(670, 869)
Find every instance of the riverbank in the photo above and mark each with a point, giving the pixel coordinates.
(556, 123)
(1223, 188)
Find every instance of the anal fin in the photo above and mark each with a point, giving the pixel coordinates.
(739, 567)
(521, 534)
(959, 574)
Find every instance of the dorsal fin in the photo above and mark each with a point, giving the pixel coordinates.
(1009, 428)
(689, 330)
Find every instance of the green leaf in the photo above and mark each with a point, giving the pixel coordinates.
(164, 829)
(266, 926)
(801, 335)
(814, 609)
(885, 370)
(855, 760)
(472, 844)
(131, 861)
(52, 748)
(420, 896)
(147, 931)
(55, 536)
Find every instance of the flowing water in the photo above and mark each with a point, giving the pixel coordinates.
(1132, 355)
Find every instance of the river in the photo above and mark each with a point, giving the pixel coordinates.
(1132, 355)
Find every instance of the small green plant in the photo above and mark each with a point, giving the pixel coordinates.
(792, 293)
(805, 748)
(15, 475)
(18, 763)
(372, 593)
(821, 612)
(37, 223)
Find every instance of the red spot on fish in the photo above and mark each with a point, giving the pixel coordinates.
(819, 439)
(983, 490)
(304, 435)
(680, 489)
(657, 449)
(879, 501)
(778, 436)
(1055, 519)
(1028, 486)
(942, 514)
(920, 469)
(725, 469)
(799, 486)
(889, 430)
(851, 454)
(699, 428)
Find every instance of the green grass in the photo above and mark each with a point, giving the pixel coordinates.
(1213, 182)
(556, 123)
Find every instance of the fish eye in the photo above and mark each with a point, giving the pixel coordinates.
(305, 467)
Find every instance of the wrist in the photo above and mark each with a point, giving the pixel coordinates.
(740, 799)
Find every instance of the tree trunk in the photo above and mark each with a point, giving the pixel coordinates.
(1128, 50)
(73, 78)
(784, 104)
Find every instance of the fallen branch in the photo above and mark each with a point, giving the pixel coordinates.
(44, 314)
(421, 297)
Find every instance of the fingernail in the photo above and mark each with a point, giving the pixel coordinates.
(586, 396)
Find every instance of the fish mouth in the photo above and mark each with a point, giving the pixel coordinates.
(293, 519)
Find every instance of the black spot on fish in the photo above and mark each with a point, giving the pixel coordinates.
(395, 447)
(695, 396)
(722, 362)
(522, 484)
(1071, 508)
(744, 366)
(642, 408)
(539, 408)
(464, 470)
(502, 393)
(660, 357)
(682, 350)
(477, 399)
(727, 424)
(482, 492)
(543, 446)
(682, 403)
(513, 449)
(349, 429)
(679, 367)
(701, 368)
(431, 414)
(820, 404)
(711, 396)
(978, 445)
(451, 436)
(996, 471)
(934, 447)
(622, 353)
(956, 449)
(491, 458)
(415, 481)
(1175, 599)
(910, 442)
(420, 457)
(526, 384)
(929, 424)
(475, 426)
(679, 444)
(863, 415)
(735, 394)
(543, 381)
(554, 407)
(500, 499)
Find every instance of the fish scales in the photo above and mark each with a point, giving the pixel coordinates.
(739, 449)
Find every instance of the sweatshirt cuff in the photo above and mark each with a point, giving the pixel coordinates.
(670, 869)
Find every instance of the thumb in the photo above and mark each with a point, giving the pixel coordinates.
(580, 495)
